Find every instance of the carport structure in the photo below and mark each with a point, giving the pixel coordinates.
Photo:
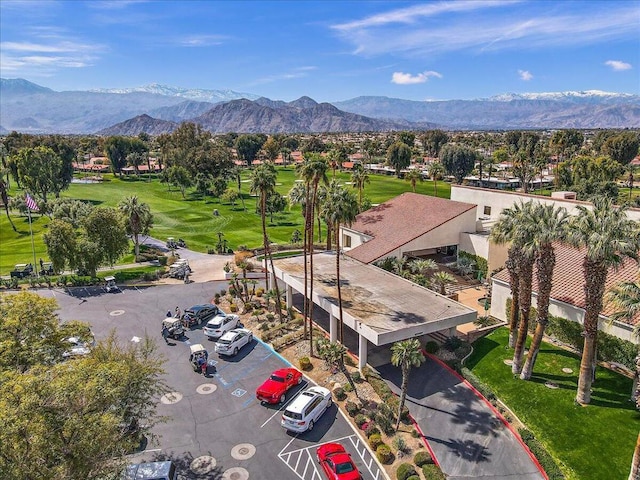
(379, 306)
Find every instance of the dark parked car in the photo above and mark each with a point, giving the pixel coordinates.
(22, 270)
(151, 471)
(202, 313)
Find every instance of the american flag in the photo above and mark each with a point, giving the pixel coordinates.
(31, 203)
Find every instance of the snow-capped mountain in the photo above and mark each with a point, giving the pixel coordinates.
(587, 95)
(200, 95)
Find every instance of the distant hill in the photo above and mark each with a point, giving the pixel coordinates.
(19, 86)
(590, 109)
(182, 111)
(141, 123)
(200, 95)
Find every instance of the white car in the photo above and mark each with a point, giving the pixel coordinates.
(220, 324)
(232, 341)
(306, 409)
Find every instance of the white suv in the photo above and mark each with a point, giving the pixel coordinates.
(232, 341)
(221, 323)
(306, 409)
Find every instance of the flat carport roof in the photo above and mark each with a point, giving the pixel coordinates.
(380, 306)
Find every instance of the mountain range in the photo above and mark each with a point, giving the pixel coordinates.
(31, 108)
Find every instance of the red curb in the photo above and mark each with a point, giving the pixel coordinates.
(496, 412)
(424, 439)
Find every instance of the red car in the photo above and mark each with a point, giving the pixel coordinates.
(337, 463)
(274, 389)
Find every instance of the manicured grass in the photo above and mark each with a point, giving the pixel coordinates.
(592, 442)
(190, 218)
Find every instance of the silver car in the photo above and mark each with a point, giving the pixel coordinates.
(231, 342)
(220, 324)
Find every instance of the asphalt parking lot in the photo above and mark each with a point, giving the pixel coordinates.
(215, 428)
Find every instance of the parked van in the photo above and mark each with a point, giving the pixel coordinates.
(306, 409)
(151, 471)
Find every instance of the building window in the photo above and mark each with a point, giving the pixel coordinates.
(487, 210)
(346, 241)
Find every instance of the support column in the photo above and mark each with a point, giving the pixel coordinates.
(333, 327)
(362, 351)
(289, 296)
(452, 332)
(273, 280)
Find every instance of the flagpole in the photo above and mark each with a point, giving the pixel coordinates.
(33, 247)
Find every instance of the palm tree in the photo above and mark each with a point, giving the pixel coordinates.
(552, 224)
(441, 280)
(139, 219)
(5, 200)
(359, 178)
(341, 207)
(236, 174)
(263, 183)
(517, 225)
(608, 236)
(435, 170)
(514, 283)
(422, 266)
(625, 297)
(405, 354)
(413, 176)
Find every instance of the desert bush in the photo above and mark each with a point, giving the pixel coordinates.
(348, 388)
(415, 433)
(452, 343)
(375, 440)
(371, 430)
(432, 472)
(352, 408)
(259, 292)
(305, 364)
(405, 470)
(349, 361)
(162, 260)
(384, 454)
(422, 458)
(233, 308)
(414, 477)
(360, 419)
(339, 393)
(431, 347)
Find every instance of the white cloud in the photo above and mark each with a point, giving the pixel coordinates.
(401, 78)
(618, 65)
(202, 40)
(525, 75)
(298, 72)
(476, 26)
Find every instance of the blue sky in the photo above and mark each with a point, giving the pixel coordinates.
(329, 50)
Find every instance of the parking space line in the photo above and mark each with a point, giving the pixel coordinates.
(284, 404)
(362, 455)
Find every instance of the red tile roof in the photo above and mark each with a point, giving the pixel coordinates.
(568, 279)
(400, 220)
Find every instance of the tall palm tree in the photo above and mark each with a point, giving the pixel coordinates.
(359, 178)
(263, 183)
(435, 170)
(413, 176)
(517, 225)
(514, 283)
(405, 354)
(608, 236)
(236, 174)
(625, 297)
(341, 207)
(139, 219)
(552, 223)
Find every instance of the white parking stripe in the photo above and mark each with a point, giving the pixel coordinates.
(282, 407)
(362, 456)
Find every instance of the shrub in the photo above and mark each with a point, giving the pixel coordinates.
(415, 433)
(348, 388)
(547, 462)
(371, 429)
(305, 364)
(259, 292)
(405, 470)
(431, 347)
(475, 381)
(233, 308)
(422, 458)
(360, 419)
(384, 454)
(432, 472)
(162, 260)
(339, 393)
(352, 409)
(452, 343)
(399, 444)
(223, 292)
(356, 377)
(385, 422)
(414, 477)
(349, 361)
(270, 317)
(375, 440)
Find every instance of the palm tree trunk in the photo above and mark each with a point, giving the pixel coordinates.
(514, 282)
(545, 264)
(337, 228)
(526, 272)
(136, 243)
(313, 204)
(595, 274)
(304, 296)
(634, 474)
(403, 392)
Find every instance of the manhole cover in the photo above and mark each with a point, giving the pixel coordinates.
(235, 473)
(171, 398)
(206, 388)
(243, 451)
(551, 385)
(116, 313)
(508, 361)
(202, 465)
(567, 370)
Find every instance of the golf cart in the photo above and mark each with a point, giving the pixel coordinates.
(174, 327)
(22, 270)
(180, 268)
(110, 284)
(171, 243)
(198, 357)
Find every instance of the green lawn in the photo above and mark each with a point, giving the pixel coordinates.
(190, 218)
(593, 442)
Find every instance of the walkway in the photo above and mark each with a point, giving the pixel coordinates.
(468, 438)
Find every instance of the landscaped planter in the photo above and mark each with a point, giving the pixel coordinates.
(229, 275)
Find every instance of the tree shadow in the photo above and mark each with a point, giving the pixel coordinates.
(464, 449)
(183, 463)
(482, 347)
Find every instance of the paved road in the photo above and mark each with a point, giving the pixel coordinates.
(215, 429)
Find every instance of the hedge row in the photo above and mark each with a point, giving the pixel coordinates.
(545, 459)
